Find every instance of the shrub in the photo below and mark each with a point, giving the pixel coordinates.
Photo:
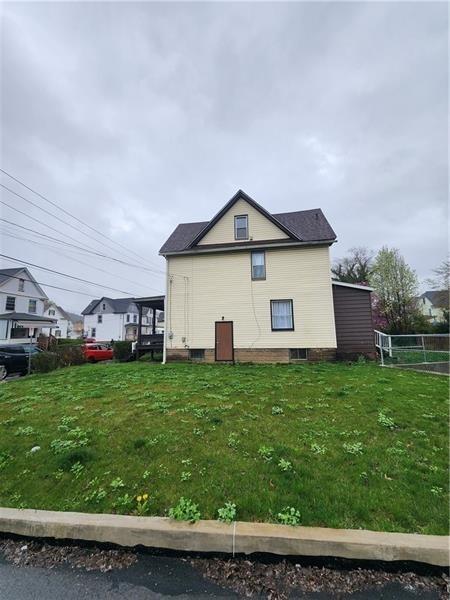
(70, 342)
(44, 362)
(70, 355)
(122, 350)
(65, 356)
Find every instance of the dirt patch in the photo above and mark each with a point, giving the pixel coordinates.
(278, 581)
(39, 554)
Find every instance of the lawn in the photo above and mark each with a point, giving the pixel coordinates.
(352, 446)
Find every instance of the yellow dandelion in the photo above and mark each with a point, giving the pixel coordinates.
(145, 497)
(139, 498)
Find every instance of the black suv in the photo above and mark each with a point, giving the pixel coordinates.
(14, 358)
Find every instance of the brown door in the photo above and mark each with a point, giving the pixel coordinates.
(224, 340)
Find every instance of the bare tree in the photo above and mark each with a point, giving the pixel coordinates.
(441, 279)
(354, 268)
(396, 286)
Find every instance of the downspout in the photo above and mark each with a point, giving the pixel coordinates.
(166, 313)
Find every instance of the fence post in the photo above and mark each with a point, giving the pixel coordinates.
(424, 352)
(390, 345)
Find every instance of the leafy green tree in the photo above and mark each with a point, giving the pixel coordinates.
(355, 267)
(396, 286)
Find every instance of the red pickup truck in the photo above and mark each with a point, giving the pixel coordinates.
(96, 352)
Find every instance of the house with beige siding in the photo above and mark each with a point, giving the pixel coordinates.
(250, 285)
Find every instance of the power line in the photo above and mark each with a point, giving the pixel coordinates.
(47, 212)
(66, 275)
(38, 243)
(56, 287)
(71, 215)
(86, 249)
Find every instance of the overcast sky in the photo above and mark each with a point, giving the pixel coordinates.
(136, 117)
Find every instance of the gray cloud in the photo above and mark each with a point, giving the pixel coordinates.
(139, 116)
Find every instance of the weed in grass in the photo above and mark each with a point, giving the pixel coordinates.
(124, 504)
(318, 449)
(142, 504)
(355, 448)
(146, 475)
(139, 443)
(25, 431)
(185, 510)
(58, 475)
(77, 469)
(437, 491)
(289, 516)
(385, 421)
(117, 483)
(227, 513)
(233, 441)
(266, 452)
(79, 455)
(277, 410)
(185, 475)
(284, 465)
(4, 458)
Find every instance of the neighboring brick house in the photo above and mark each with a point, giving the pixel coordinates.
(249, 285)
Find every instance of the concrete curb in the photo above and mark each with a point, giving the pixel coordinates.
(236, 538)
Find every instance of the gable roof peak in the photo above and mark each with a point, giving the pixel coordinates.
(241, 195)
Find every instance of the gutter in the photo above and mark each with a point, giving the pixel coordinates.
(256, 245)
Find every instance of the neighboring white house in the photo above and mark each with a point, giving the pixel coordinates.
(249, 285)
(68, 325)
(433, 304)
(21, 307)
(115, 319)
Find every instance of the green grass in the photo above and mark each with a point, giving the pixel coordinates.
(347, 446)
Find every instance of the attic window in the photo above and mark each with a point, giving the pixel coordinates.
(21, 285)
(241, 227)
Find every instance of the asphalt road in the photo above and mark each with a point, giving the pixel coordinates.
(152, 577)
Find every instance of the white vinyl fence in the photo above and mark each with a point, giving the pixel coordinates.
(413, 348)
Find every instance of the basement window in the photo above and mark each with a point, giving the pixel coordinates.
(196, 354)
(298, 353)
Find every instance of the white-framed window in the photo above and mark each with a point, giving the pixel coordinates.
(134, 318)
(103, 306)
(128, 318)
(282, 315)
(93, 332)
(21, 285)
(241, 227)
(10, 303)
(58, 333)
(32, 304)
(258, 265)
(99, 318)
(51, 312)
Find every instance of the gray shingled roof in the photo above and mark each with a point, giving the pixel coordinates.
(16, 316)
(308, 225)
(438, 298)
(119, 305)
